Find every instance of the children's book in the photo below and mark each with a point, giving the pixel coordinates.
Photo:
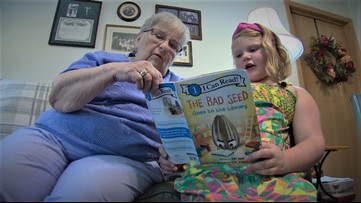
(207, 119)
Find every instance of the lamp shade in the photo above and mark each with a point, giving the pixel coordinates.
(268, 17)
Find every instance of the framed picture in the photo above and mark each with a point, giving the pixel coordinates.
(190, 17)
(185, 57)
(120, 38)
(128, 11)
(75, 23)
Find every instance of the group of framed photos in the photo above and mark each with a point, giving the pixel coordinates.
(76, 23)
(190, 17)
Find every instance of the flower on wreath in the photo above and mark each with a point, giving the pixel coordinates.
(329, 60)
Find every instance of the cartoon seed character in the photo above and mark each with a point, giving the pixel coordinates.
(224, 133)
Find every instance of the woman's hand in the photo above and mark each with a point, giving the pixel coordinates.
(268, 160)
(166, 166)
(142, 73)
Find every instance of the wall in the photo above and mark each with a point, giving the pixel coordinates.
(26, 24)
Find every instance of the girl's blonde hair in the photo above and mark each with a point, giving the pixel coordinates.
(278, 62)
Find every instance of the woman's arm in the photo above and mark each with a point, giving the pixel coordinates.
(73, 89)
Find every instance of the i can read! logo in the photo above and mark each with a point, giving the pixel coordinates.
(198, 89)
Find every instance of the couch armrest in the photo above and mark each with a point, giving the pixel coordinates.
(21, 103)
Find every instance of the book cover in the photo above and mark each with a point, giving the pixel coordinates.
(207, 119)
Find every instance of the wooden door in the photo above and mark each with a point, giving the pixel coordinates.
(338, 121)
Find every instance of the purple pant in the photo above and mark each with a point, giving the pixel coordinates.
(35, 166)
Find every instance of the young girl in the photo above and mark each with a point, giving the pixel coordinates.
(285, 113)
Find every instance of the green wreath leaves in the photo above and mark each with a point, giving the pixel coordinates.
(329, 60)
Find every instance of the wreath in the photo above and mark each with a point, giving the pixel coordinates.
(329, 60)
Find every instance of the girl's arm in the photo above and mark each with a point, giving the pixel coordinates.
(309, 140)
(307, 132)
(165, 164)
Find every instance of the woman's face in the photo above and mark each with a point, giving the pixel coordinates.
(249, 54)
(158, 51)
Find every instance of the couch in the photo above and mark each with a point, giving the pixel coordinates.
(22, 102)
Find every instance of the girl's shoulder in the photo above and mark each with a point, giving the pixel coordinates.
(280, 95)
(275, 89)
(277, 86)
(296, 90)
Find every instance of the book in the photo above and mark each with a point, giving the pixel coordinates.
(337, 187)
(209, 118)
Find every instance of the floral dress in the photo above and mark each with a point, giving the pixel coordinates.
(275, 106)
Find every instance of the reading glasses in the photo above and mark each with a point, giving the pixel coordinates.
(161, 36)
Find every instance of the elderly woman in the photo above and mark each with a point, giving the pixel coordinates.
(99, 143)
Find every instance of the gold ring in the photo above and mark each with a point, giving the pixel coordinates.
(143, 73)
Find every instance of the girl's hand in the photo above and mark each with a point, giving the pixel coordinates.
(166, 166)
(268, 160)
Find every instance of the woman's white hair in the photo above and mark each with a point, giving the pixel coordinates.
(165, 19)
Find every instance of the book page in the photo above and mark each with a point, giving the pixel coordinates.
(172, 125)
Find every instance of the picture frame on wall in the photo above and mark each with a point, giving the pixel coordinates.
(75, 23)
(185, 57)
(128, 11)
(120, 38)
(190, 17)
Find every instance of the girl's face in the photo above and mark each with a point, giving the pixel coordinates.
(155, 50)
(249, 54)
